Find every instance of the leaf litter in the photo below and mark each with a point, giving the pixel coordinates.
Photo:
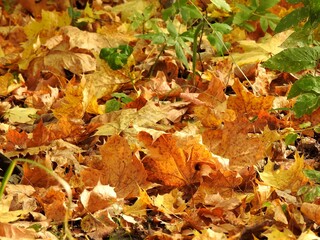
(183, 160)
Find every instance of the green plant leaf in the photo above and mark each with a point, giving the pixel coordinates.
(243, 15)
(306, 103)
(264, 24)
(116, 57)
(292, 19)
(307, 83)
(264, 5)
(304, 125)
(172, 29)
(123, 97)
(290, 138)
(189, 12)
(221, 27)
(221, 4)
(180, 55)
(169, 12)
(156, 38)
(112, 105)
(309, 193)
(294, 59)
(312, 175)
(316, 129)
(299, 38)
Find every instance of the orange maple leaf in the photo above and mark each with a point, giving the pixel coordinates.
(246, 104)
(119, 168)
(234, 142)
(173, 161)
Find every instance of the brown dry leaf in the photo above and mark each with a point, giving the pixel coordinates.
(98, 225)
(40, 136)
(214, 95)
(94, 41)
(100, 197)
(274, 233)
(209, 234)
(8, 231)
(37, 177)
(173, 161)
(216, 186)
(121, 169)
(285, 179)
(235, 143)
(22, 197)
(53, 200)
(160, 87)
(311, 211)
(213, 117)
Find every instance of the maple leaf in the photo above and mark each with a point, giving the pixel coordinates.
(173, 161)
(46, 27)
(139, 208)
(71, 105)
(21, 115)
(14, 232)
(285, 179)
(16, 140)
(225, 142)
(252, 52)
(53, 202)
(130, 121)
(121, 169)
(100, 197)
(170, 203)
(246, 104)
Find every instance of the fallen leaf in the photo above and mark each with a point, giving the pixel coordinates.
(173, 161)
(225, 142)
(21, 115)
(285, 179)
(170, 203)
(121, 169)
(139, 208)
(311, 211)
(100, 197)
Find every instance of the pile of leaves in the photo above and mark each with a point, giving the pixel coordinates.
(159, 120)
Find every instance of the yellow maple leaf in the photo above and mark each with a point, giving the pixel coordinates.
(139, 208)
(170, 203)
(285, 179)
(71, 105)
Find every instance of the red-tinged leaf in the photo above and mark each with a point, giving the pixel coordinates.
(16, 140)
(40, 136)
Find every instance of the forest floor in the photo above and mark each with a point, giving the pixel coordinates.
(126, 121)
